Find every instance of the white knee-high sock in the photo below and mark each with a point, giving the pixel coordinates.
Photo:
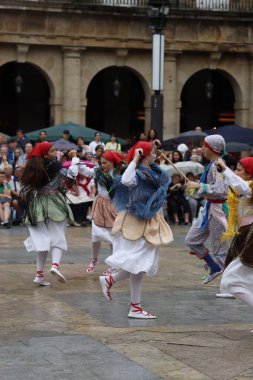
(41, 260)
(56, 255)
(248, 299)
(95, 248)
(121, 275)
(135, 286)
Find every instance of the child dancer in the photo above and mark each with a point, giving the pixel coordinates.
(212, 223)
(44, 185)
(103, 212)
(237, 278)
(139, 228)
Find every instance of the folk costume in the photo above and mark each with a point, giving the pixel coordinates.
(103, 212)
(237, 278)
(212, 222)
(139, 228)
(80, 196)
(47, 211)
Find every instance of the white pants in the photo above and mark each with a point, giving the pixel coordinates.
(45, 236)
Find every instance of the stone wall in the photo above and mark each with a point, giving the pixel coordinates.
(71, 47)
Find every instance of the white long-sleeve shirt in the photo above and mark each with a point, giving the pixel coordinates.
(90, 172)
(241, 186)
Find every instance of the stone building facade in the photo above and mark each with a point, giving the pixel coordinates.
(69, 43)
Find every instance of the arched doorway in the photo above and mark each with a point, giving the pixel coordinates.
(207, 100)
(115, 102)
(24, 98)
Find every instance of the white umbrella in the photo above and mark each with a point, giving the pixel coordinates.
(185, 167)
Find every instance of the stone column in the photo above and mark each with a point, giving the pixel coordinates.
(71, 85)
(242, 114)
(171, 112)
(147, 108)
(250, 118)
(55, 112)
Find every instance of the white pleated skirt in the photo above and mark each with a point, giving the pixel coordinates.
(45, 236)
(100, 233)
(133, 256)
(237, 278)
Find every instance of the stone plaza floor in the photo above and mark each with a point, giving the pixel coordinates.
(70, 331)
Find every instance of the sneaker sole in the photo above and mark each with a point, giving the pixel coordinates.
(214, 276)
(224, 295)
(60, 277)
(141, 316)
(45, 284)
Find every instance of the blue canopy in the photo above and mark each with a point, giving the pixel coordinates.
(232, 133)
(54, 133)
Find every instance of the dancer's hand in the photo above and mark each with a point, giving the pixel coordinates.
(75, 161)
(157, 144)
(138, 155)
(192, 185)
(219, 163)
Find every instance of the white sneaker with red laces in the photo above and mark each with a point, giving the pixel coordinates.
(55, 270)
(106, 284)
(91, 265)
(137, 312)
(41, 281)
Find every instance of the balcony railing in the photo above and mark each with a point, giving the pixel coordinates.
(239, 6)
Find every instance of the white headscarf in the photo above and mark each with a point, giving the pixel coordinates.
(216, 142)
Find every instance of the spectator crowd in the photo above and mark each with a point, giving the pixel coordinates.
(182, 204)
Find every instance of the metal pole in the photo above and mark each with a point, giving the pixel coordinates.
(157, 113)
(157, 82)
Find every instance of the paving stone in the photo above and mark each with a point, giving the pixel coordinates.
(69, 331)
(173, 308)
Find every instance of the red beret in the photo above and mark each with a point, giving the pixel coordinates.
(144, 145)
(247, 163)
(113, 157)
(40, 150)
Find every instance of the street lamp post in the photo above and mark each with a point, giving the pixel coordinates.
(158, 14)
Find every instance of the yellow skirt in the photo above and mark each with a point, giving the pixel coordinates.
(155, 231)
(103, 213)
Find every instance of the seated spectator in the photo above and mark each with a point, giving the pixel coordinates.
(18, 203)
(67, 136)
(2, 141)
(142, 137)
(199, 154)
(99, 150)
(96, 142)
(21, 139)
(9, 177)
(176, 156)
(5, 201)
(113, 144)
(63, 158)
(89, 156)
(194, 158)
(21, 162)
(81, 144)
(12, 145)
(176, 201)
(3, 158)
(71, 153)
(17, 154)
(152, 135)
(194, 199)
(43, 136)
